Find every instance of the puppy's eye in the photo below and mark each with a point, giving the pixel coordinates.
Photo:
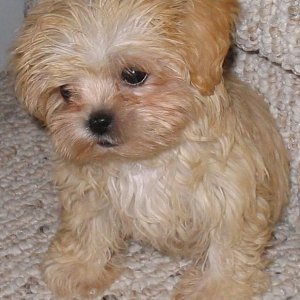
(134, 77)
(65, 92)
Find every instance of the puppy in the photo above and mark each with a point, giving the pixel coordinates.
(152, 142)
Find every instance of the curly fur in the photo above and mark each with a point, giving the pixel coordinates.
(199, 169)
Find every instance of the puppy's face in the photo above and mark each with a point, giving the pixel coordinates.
(120, 77)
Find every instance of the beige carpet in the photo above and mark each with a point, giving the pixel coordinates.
(272, 28)
(29, 208)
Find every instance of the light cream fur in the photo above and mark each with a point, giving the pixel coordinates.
(198, 168)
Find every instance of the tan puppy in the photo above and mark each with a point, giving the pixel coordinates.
(152, 142)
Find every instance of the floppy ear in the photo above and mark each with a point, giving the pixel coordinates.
(24, 67)
(207, 27)
(33, 60)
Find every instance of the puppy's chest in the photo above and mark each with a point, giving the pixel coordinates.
(152, 201)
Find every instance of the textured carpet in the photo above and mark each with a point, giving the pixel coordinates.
(272, 28)
(29, 208)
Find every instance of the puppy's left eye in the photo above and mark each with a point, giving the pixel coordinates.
(134, 77)
(65, 92)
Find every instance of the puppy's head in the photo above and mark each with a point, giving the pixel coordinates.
(120, 77)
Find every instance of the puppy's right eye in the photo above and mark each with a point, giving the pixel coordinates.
(133, 77)
(65, 92)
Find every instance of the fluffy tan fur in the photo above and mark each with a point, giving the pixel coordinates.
(197, 168)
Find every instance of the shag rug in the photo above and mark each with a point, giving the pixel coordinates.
(29, 206)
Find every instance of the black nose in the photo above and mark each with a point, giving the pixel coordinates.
(100, 123)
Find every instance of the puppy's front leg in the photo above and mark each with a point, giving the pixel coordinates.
(79, 260)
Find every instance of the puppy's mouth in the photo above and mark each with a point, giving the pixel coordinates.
(106, 144)
(107, 141)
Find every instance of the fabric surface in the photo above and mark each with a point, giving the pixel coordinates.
(272, 28)
(28, 5)
(29, 205)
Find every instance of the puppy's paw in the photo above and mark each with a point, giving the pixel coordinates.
(196, 285)
(67, 278)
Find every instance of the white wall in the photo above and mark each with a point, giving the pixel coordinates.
(11, 17)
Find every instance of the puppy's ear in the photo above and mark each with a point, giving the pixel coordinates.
(33, 56)
(207, 29)
(25, 67)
